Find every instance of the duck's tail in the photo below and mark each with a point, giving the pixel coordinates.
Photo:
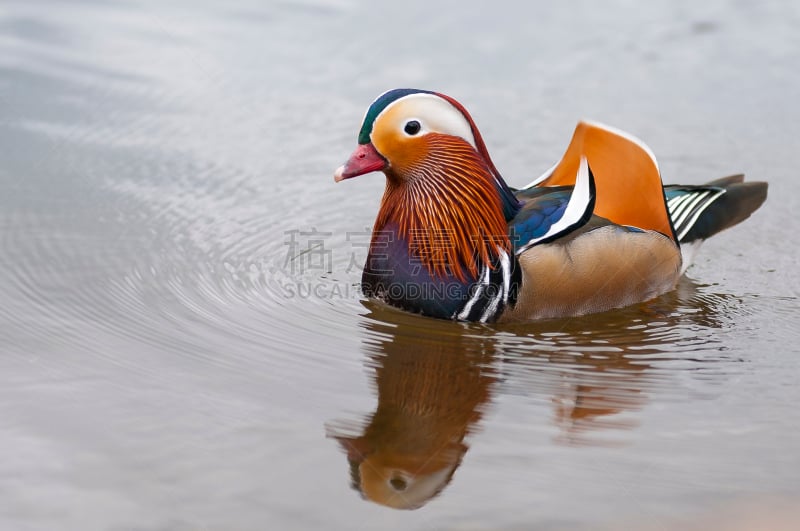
(698, 212)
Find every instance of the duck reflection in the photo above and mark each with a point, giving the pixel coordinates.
(433, 382)
(597, 369)
(435, 379)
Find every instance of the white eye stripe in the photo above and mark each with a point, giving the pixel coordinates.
(440, 116)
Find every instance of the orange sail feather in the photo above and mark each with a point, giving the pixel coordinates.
(629, 188)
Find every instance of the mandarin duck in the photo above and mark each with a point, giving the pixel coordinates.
(596, 231)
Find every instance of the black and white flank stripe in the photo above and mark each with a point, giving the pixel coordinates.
(496, 290)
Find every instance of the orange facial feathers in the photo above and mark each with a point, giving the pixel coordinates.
(446, 207)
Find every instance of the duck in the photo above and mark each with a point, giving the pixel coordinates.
(597, 231)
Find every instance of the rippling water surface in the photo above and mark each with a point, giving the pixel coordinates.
(182, 341)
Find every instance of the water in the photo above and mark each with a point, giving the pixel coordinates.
(182, 341)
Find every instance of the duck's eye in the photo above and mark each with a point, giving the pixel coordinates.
(398, 484)
(412, 127)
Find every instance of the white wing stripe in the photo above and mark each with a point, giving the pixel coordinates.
(576, 208)
(685, 213)
(689, 224)
(675, 202)
(688, 198)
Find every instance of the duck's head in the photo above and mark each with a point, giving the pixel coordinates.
(407, 130)
(440, 180)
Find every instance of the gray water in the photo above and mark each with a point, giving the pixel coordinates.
(182, 342)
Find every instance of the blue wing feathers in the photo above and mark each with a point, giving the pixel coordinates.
(538, 215)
